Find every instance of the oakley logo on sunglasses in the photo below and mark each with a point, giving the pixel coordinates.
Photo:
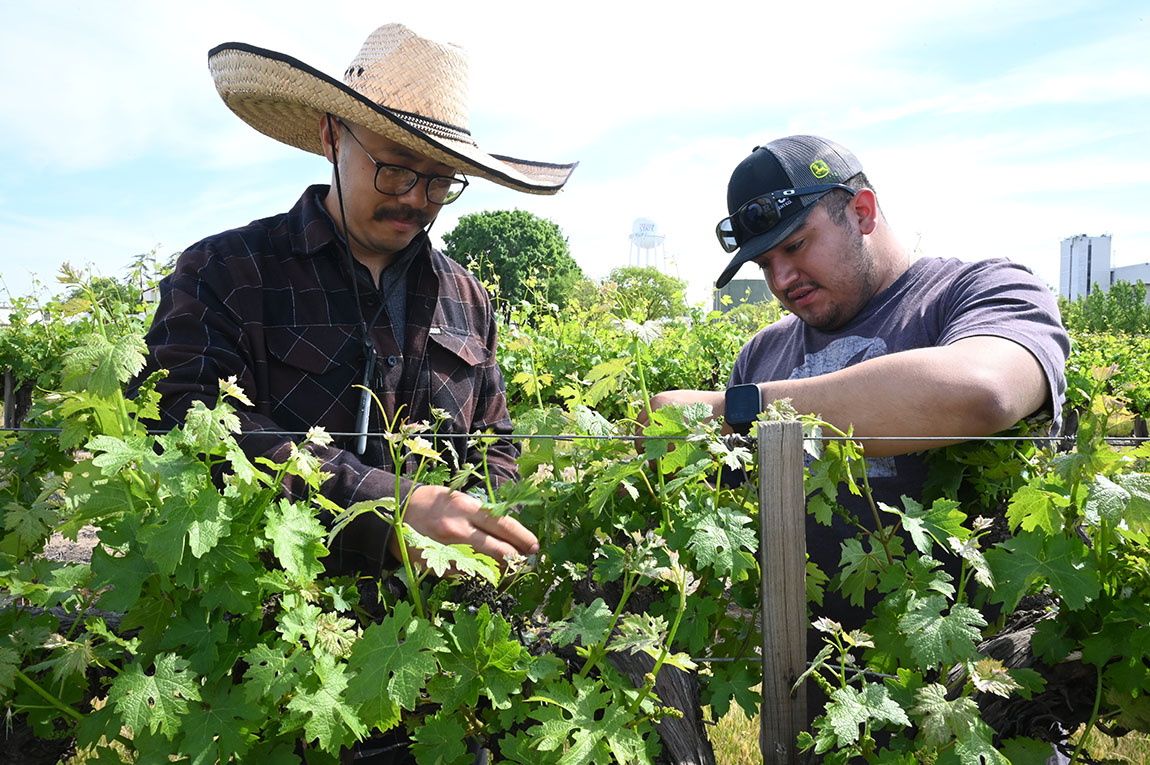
(761, 214)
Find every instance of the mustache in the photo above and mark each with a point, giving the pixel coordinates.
(788, 293)
(403, 214)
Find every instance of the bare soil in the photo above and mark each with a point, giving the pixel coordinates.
(68, 551)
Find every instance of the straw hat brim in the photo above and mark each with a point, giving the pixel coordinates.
(285, 98)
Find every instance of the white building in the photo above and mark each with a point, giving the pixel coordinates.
(1086, 265)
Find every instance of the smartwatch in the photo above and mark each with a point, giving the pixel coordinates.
(743, 404)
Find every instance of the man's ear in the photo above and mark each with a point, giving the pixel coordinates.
(865, 206)
(326, 128)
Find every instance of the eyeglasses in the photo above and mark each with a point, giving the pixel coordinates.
(397, 180)
(761, 214)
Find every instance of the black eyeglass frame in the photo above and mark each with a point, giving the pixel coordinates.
(416, 176)
(769, 203)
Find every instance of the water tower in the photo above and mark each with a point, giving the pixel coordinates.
(646, 244)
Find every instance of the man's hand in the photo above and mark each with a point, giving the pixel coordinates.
(452, 517)
(717, 400)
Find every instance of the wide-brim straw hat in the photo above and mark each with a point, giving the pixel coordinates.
(404, 87)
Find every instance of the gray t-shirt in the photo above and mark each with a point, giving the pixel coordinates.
(933, 303)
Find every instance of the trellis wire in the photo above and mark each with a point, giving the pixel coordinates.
(738, 439)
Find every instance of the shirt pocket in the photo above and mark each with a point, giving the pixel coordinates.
(313, 349)
(458, 366)
(312, 372)
(469, 348)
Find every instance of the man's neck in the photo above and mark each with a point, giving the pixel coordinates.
(891, 258)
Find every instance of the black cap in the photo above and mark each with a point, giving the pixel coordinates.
(786, 163)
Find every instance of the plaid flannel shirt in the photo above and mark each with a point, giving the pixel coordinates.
(272, 304)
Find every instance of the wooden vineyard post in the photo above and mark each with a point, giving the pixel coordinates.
(783, 547)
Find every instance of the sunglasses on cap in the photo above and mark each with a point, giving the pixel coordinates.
(761, 214)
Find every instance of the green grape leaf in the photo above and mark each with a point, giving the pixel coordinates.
(608, 483)
(70, 660)
(976, 745)
(441, 740)
(114, 454)
(721, 539)
(98, 366)
(9, 661)
(391, 665)
(587, 624)
(736, 680)
(1061, 562)
(197, 520)
(330, 720)
(1106, 499)
(939, 522)
(604, 379)
(935, 638)
(30, 525)
(860, 570)
(221, 727)
(123, 578)
(206, 429)
(299, 621)
(271, 675)
(297, 539)
(544, 668)
(1137, 514)
(480, 660)
(1017, 750)
(943, 719)
(849, 708)
(242, 468)
(639, 632)
(611, 563)
(1032, 508)
(585, 723)
(158, 701)
(440, 557)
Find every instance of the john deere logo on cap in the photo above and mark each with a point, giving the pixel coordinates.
(820, 169)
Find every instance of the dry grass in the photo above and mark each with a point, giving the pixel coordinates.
(1133, 747)
(735, 739)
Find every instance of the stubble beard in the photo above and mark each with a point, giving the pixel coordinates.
(860, 285)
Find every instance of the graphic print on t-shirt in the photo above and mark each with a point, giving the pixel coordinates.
(842, 353)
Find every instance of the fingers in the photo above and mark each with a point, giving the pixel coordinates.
(451, 517)
(506, 530)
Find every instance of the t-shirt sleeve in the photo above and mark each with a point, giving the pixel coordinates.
(1004, 299)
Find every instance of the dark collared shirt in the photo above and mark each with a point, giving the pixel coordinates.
(272, 303)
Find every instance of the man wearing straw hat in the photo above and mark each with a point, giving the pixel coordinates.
(344, 294)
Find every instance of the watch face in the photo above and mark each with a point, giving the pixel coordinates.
(743, 404)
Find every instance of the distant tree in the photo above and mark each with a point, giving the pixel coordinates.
(1121, 309)
(649, 292)
(105, 291)
(520, 251)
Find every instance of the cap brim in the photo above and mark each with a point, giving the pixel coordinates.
(760, 244)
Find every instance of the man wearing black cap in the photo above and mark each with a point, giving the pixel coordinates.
(877, 341)
(892, 346)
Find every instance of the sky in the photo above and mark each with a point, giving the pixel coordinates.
(988, 128)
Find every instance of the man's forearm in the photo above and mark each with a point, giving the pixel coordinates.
(971, 388)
